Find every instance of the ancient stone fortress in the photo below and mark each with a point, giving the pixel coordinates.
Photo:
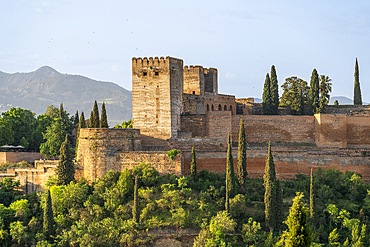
(177, 107)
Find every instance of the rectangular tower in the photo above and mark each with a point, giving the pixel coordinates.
(157, 85)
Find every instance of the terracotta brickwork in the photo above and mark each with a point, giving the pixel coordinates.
(219, 124)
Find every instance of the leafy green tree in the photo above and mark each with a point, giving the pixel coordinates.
(298, 232)
(242, 155)
(135, 208)
(314, 93)
(336, 102)
(294, 95)
(325, 90)
(193, 164)
(230, 177)
(24, 124)
(22, 210)
(269, 182)
(19, 233)
(266, 96)
(252, 233)
(96, 120)
(8, 191)
(48, 220)
(6, 133)
(274, 88)
(54, 136)
(65, 168)
(357, 97)
(104, 119)
(312, 211)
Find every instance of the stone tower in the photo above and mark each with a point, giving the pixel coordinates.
(157, 87)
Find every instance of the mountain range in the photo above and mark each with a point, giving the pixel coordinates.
(38, 89)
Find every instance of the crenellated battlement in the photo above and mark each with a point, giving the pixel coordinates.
(192, 69)
(149, 62)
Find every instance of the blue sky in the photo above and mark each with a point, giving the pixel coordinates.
(241, 38)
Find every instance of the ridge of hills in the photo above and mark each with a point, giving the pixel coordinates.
(38, 89)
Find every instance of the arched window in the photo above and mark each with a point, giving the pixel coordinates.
(213, 108)
(207, 107)
(220, 107)
(225, 108)
(231, 109)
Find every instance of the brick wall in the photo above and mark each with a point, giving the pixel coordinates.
(196, 124)
(15, 157)
(219, 124)
(299, 129)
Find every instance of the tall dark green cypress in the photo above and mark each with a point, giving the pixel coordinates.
(61, 111)
(104, 119)
(266, 96)
(312, 211)
(135, 209)
(76, 119)
(269, 182)
(96, 115)
(230, 177)
(242, 155)
(193, 164)
(48, 220)
(357, 98)
(274, 88)
(91, 120)
(279, 206)
(65, 168)
(82, 121)
(314, 93)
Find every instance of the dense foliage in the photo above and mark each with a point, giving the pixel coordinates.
(103, 213)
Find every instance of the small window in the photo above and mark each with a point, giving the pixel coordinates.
(145, 73)
(225, 108)
(193, 92)
(213, 108)
(156, 73)
(219, 107)
(207, 107)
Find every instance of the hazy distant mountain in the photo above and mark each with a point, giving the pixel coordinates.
(46, 86)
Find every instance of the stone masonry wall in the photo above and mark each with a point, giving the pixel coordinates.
(14, 157)
(159, 160)
(219, 124)
(98, 150)
(295, 129)
(288, 161)
(194, 80)
(196, 124)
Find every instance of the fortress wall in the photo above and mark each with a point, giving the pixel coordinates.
(196, 124)
(218, 124)
(331, 130)
(98, 150)
(159, 160)
(194, 80)
(193, 104)
(299, 129)
(15, 157)
(288, 162)
(204, 144)
(358, 131)
(220, 102)
(211, 81)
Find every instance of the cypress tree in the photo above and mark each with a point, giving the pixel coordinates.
(104, 119)
(357, 98)
(193, 164)
(48, 220)
(96, 115)
(266, 96)
(65, 169)
(91, 120)
(274, 88)
(269, 182)
(76, 119)
(82, 121)
(279, 206)
(311, 196)
(61, 111)
(230, 177)
(242, 155)
(314, 93)
(135, 209)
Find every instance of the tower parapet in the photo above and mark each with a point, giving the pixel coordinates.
(211, 81)
(157, 86)
(194, 80)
